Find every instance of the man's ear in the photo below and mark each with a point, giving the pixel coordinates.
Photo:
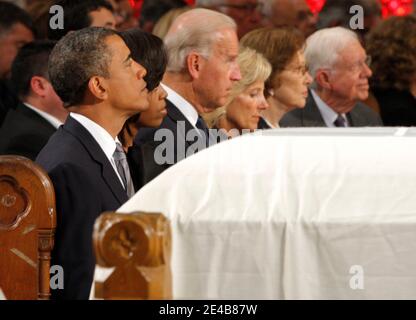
(194, 63)
(38, 85)
(323, 78)
(98, 87)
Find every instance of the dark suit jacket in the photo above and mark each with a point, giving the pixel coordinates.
(262, 125)
(85, 186)
(397, 108)
(142, 155)
(310, 116)
(24, 132)
(8, 99)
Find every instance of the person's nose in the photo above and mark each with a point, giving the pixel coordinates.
(140, 70)
(367, 71)
(263, 105)
(308, 78)
(163, 93)
(235, 72)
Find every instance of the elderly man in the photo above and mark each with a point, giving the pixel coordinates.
(27, 129)
(340, 74)
(246, 13)
(201, 71)
(292, 13)
(15, 32)
(84, 159)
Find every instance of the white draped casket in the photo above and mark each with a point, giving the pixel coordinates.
(293, 214)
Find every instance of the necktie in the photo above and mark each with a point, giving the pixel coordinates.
(340, 121)
(200, 124)
(123, 170)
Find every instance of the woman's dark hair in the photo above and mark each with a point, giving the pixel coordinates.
(149, 51)
(392, 47)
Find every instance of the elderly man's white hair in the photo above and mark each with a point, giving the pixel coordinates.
(323, 47)
(194, 30)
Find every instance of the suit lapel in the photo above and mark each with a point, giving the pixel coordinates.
(355, 119)
(97, 154)
(176, 115)
(311, 116)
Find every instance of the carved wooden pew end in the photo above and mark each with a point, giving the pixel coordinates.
(138, 247)
(27, 228)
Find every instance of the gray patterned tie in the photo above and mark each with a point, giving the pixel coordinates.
(122, 166)
(340, 121)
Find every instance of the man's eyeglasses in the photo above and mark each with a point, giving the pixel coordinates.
(251, 7)
(359, 65)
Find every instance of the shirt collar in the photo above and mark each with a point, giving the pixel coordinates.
(182, 104)
(103, 138)
(328, 114)
(56, 123)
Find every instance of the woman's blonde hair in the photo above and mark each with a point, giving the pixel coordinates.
(253, 67)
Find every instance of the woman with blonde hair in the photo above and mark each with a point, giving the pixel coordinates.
(242, 111)
(287, 86)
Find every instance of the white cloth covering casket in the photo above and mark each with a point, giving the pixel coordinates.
(292, 214)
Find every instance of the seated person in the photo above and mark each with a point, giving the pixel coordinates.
(15, 31)
(340, 74)
(84, 159)
(242, 111)
(392, 47)
(81, 14)
(149, 51)
(27, 128)
(287, 86)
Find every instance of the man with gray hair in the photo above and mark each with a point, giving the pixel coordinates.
(93, 73)
(246, 13)
(340, 69)
(202, 49)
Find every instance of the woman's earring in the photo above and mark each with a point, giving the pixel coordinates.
(271, 92)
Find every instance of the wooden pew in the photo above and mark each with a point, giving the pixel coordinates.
(27, 228)
(138, 248)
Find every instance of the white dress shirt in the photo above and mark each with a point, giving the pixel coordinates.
(103, 138)
(182, 104)
(328, 114)
(56, 123)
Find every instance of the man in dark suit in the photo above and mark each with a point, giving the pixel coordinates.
(84, 159)
(201, 70)
(27, 129)
(340, 73)
(15, 31)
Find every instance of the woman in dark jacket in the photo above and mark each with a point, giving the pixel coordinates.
(392, 46)
(149, 51)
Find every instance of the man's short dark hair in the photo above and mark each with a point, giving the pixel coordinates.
(32, 60)
(76, 58)
(77, 15)
(10, 14)
(149, 51)
(153, 10)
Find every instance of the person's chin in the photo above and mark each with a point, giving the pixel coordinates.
(363, 95)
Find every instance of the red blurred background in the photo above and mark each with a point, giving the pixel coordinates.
(389, 7)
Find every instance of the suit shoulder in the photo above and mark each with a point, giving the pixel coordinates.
(292, 118)
(365, 111)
